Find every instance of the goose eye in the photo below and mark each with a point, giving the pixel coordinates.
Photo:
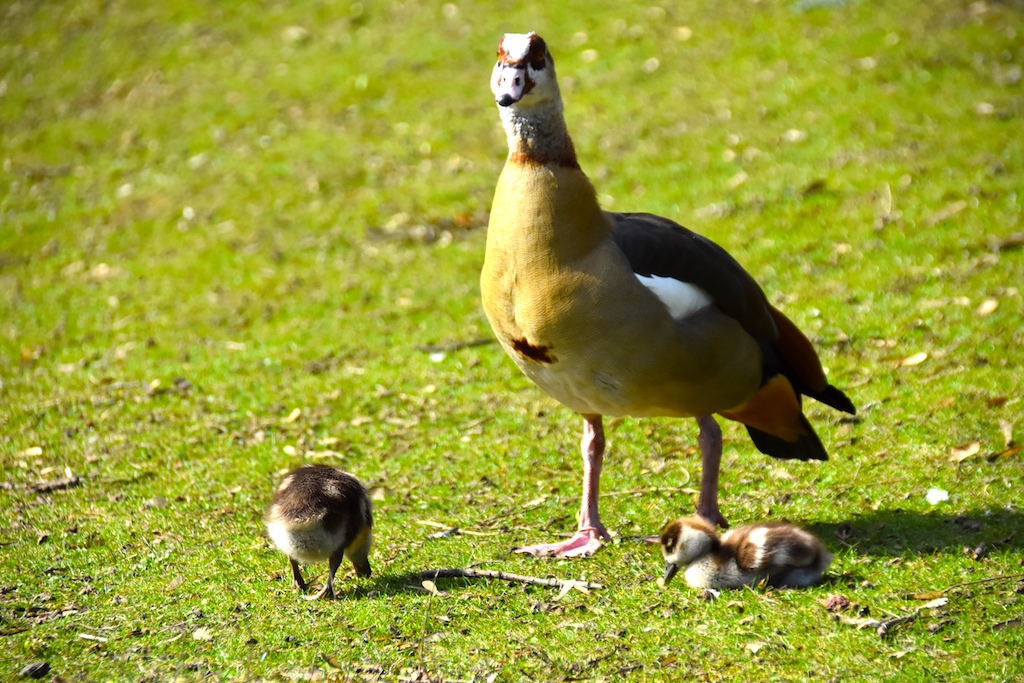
(538, 50)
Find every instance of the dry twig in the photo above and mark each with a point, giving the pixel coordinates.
(454, 346)
(884, 626)
(991, 579)
(54, 484)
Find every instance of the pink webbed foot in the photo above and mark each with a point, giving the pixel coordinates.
(326, 592)
(583, 543)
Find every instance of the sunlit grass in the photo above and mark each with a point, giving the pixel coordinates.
(214, 215)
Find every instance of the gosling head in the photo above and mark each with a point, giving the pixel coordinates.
(684, 541)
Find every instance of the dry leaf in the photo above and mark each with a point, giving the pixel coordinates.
(736, 180)
(987, 307)
(755, 646)
(1012, 241)
(1013, 450)
(566, 588)
(916, 359)
(979, 552)
(1006, 427)
(202, 633)
(35, 670)
(946, 212)
(432, 588)
(1011, 623)
(939, 625)
(928, 595)
(175, 583)
(293, 416)
(836, 603)
(960, 453)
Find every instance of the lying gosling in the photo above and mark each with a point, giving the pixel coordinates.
(783, 554)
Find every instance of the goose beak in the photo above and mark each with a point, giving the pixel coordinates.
(509, 84)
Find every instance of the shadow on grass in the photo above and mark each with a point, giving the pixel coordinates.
(412, 582)
(901, 532)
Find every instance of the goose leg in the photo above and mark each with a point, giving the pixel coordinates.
(328, 590)
(710, 442)
(590, 532)
(297, 575)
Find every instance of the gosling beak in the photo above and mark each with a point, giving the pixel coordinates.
(670, 571)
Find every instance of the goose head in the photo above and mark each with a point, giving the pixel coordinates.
(524, 75)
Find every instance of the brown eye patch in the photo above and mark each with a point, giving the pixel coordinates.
(538, 50)
(670, 536)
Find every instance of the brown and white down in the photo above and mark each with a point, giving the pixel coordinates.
(783, 554)
(320, 513)
(629, 313)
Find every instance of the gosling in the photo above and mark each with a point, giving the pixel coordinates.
(321, 513)
(784, 555)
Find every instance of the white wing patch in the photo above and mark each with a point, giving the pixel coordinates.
(681, 298)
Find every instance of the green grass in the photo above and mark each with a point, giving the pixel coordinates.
(281, 219)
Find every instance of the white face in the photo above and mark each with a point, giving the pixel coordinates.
(523, 68)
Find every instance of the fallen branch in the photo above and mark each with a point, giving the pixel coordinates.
(883, 626)
(564, 584)
(1005, 577)
(54, 484)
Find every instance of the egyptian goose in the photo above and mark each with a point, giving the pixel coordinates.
(321, 513)
(783, 554)
(627, 313)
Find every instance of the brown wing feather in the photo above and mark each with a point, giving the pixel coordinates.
(803, 365)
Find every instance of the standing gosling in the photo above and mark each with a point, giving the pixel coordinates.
(784, 554)
(321, 513)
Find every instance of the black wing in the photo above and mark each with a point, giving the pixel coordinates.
(658, 246)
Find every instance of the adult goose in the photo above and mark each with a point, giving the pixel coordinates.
(627, 313)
